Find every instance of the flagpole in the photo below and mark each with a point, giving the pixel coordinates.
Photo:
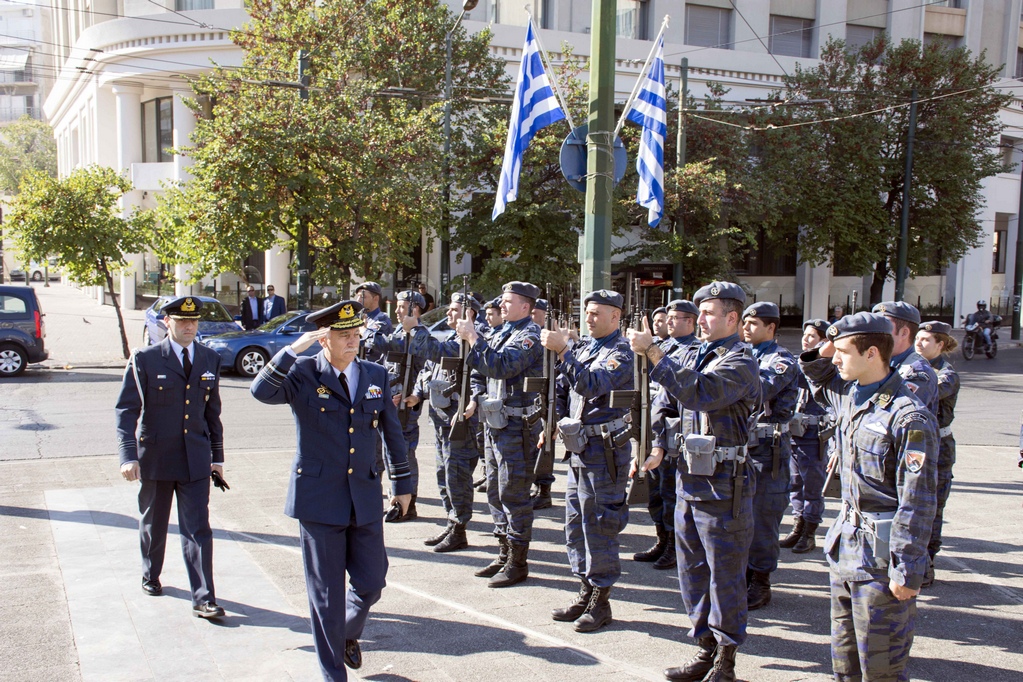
(642, 74)
(550, 70)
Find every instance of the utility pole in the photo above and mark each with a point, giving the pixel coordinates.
(595, 272)
(1017, 277)
(900, 271)
(680, 162)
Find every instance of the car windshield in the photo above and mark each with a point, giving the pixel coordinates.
(276, 322)
(214, 312)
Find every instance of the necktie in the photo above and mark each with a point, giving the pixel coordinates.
(344, 385)
(185, 362)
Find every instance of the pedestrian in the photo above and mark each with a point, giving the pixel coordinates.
(771, 446)
(596, 437)
(811, 428)
(513, 425)
(342, 407)
(370, 295)
(717, 388)
(430, 305)
(173, 387)
(837, 313)
(273, 305)
(934, 342)
(252, 309)
(888, 451)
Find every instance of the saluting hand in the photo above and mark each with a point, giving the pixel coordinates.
(466, 331)
(309, 338)
(827, 350)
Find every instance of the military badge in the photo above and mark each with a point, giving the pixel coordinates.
(881, 308)
(832, 332)
(527, 343)
(207, 376)
(927, 327)
(613, 364)
(374, 392)
(916, 455)
(346, 312)
(780, 367)
(188, 306)
(715, 290)
(323, 392)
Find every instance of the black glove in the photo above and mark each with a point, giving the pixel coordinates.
(219, 481)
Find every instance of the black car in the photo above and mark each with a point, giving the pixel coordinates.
(21, 330)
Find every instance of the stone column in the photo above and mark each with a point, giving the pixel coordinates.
(278, 270)
(129, 151)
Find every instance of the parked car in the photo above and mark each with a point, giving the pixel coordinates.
(22, 330)
(248, 351)
(215, 320)
(437, 322)
(37, 271)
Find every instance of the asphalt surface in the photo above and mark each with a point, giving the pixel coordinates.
(71, 608)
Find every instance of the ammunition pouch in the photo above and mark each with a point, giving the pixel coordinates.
(878, 525)
(797, 425)
(493, 413)
(573, 434)
(699, 454)
(440, 398)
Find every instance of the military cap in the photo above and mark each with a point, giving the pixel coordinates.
(526, 289)
(935, 327)
(762, 309)
(460, 298)
(343, 315)
(604, 297)
(820, 325)
(183, 308)
(658, 311)
(414, 296)
(900, 310)
(682, 306)
(493, 303)
(541, 304)
(371, 287)
(860, 323)
(720, 290)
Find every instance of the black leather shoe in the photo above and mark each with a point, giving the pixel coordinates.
(152, 587)
(207, 609)
(353, 654)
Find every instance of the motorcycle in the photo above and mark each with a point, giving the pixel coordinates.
(974, 338)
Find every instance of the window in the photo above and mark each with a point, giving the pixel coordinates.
(708, 27)
(857, 36)
(186, 5)
(1012, 154)
(12, 305)
(631, 19)
(790, 36)
(773, 258)
(1019, 63)
(949, 42)
(157, 130)
(509, 12)
(998, 252)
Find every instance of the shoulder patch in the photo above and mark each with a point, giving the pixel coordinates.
(527, 343)
(613, 364)
(916, 454)
(780, 367)
(912, 417)
(905, 371)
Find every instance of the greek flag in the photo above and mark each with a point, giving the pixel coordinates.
(650, 111)
(533, 107)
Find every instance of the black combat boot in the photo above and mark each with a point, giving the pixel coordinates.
(667, 559)
(454, 541)
(790, 540)
(655, 552)
(698, 666)
(437, 539)
(598, 611)
(497, 564)
(576, 609)
(807, 542)
(542, 498)
(758, 592)
(515, 569)
(724, 665)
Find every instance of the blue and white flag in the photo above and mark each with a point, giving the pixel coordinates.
(650, 110)
(533, 107)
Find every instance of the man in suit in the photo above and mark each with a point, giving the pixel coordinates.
(252, 308)
(273, 305)
(340, 404)
(174, 387)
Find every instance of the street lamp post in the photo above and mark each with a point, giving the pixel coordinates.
(445, 243)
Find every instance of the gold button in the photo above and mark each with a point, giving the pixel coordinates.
(352, 451)
(323, 409)
(186, 430)
(351, 430)
(186, 416)
(351, 411)
(349, 471)
(161, 388)
(186, 402)
(187, 386)
(299, 470)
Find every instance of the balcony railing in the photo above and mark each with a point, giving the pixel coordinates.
(8, 114)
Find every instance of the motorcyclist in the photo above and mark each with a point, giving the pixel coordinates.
(983, 318)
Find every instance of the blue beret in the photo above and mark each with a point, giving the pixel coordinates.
(900, 310)
(541, 304)
(860, 323)
(820, 325)
(342, 315)
(720, 290)
(936, 327)
(682, 306)
(183, 308)
(522, 289)
(371, 287)
(605, 297)
(459, 298)
(762, 309)
(658, 311)
(494, 303)
(414, 296)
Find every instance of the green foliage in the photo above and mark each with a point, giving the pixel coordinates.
(26, 146)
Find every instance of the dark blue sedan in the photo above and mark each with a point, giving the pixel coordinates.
(248, 351)
(215, 320)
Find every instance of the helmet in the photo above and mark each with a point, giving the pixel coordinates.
(982, 304)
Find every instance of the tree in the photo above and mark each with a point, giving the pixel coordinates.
(77, 220)
(26, 146)
(355, 169)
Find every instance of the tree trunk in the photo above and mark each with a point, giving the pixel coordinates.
(877, 284)
(117, 308)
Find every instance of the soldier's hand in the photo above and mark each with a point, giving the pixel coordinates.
(640, 339)
(403, 500)
(396, 398)
(130, 471)
(901, 592)
(827, 350)
(554, 339)
(466, 331)
(470, 409)
(654, 460)
(219, 468)
(308, 339)
(412, 400)
(408, 323)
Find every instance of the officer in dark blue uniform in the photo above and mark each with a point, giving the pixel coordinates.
(512, 425)
(174, 388)
(370, 295)
(717, 386)
(770, 445)
(596, 438)
(342, 407)
(918, 374)
(888, 450)
(659, 318)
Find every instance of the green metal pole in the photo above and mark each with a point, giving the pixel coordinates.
(680, 163)
(596, 264)
(1017, 278)
(900, 271)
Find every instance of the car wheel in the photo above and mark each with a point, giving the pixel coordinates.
(37, 276)
(250, 361)
(146, 341)
(13, 360)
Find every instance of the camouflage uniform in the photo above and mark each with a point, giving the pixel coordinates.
(919, 376)
(948, 393)
(377, 321)
(888, 450)
(381, 344)
(809, 460)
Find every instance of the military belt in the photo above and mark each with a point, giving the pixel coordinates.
(865, 520)
(726, 454)
(944, 431)
(527, 412)
(768, 430)
(813, 419)
(594, 430)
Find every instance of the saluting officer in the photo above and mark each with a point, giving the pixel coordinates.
(717, 387)
(174, 387)
(596, 438)
(342, 407)
(877, 548)
(918, 374)
(771, 447)
(934, 342)
(369, 294)
(512, 425)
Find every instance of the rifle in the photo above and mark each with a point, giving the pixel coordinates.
(637, 401)
(460, 427)
(406, 377)
(546, 386)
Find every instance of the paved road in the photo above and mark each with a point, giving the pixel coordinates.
(70, 607)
